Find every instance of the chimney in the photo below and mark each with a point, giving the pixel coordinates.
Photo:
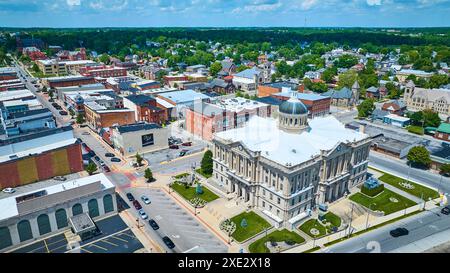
(362, 128)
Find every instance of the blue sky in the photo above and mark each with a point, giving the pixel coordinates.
(223, 13)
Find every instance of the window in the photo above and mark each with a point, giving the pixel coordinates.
(279, 201)
(263, 204)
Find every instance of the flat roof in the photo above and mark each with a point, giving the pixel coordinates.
(183, 96)
(9, 204)
(397, 118)
(15, 94)
(301, 96)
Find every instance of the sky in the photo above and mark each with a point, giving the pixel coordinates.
(224, 13)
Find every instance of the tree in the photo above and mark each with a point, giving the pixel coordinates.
(346, 61)
(104, 58)
(365, 108)
(215, 68)
(329, 74)
(207, 163)
(431, 119)
(51, 93)
(148, 175)
(36, 68)
(244, 223)
(139, 159)
(445, 169)
(80, 119)
(420, 156)
(91, 168)
(44, 89)
(347, 79)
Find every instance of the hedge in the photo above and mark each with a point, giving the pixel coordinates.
(372, 192)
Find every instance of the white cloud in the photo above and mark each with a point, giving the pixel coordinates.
(73, 2)
(374, 2)
(308, 4)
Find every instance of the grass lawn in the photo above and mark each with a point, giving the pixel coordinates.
(381, 202)
(189, 193)
(416, 130)
(333, 219)
(181, 175)
(313, 223)
(206, 175)
(255, 225)
(259, 246)
(417, 191)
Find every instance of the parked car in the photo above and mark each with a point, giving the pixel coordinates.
(97, 158)
(60, 178)
(143, 214)
(115, 159)
(153, 224)
(187, 144)
(137, 205)
(130, 197)
(106, 169)
(168, 242)
(63, 113)
(445, 210)
(91, 153)
(399, 232)
(102, 163)
(9, 190)
(183, 152)
(174, 146)
(85, 133)
(145, 199)
(109, 155)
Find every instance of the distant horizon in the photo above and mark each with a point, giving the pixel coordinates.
(228, 27)
(224, 13)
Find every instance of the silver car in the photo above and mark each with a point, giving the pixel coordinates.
(143, 214)
(145, 199)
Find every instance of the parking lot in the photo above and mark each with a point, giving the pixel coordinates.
(176, 223)
(116, 237)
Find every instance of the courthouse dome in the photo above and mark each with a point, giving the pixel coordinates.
(293, 106)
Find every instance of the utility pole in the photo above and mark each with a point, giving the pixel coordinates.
(351, 220)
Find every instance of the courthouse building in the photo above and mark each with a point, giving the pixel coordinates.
(284, 168)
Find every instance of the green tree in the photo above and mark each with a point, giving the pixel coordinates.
(241, 68)
(199, 189)
(91, 168)
(431, 118)
(347, 79)
(104, 58)
(329, 74)
(207, 163)
(346, 61)
(215, 68)
(51, 93)
(36, 68)
(420, 156)
(148, 175)
(80, 119)
(366, 108)
(139, 159)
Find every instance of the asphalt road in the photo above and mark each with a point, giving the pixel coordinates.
(421, 227)
(399, 168)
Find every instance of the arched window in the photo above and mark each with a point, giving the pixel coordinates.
(93, 208)
(77, 209)
(61, 218)
(43, 224)
(24, 229)
(5, 237)
(108, 203)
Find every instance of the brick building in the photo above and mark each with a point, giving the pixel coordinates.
(268, 89)
(317, 105)
(68, 81)
(103, 71)
(98, 117)
(145, 108)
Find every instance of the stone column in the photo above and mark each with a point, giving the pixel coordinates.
(85, 206)
(15, 239)
(52, 219)
(101, 206)
(34, 227)
(114, 200)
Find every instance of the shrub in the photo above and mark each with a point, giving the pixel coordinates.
(372, 192)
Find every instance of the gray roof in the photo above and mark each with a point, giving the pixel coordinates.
(137, 127)
(344, 93)
(218, 82)
(372, 89)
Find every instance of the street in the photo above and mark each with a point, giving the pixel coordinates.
(421, 227)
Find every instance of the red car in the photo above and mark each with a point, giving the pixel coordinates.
(106, 169)
(187, 144)
(137, 205)
(174, 146)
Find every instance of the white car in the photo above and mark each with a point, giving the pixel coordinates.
(143, 214)
(145, 199)
(9, 190)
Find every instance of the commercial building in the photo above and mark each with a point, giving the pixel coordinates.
(396, 120)
(419, 99)
(139, 138)
(317, 105)
(145, 108)
(39, 156)
(443, 132)
(56, 67)
(403, 74)
(205, 119)
(344, 97)
(7, 73)
(98, 116)
(102, 71)
(182, 100)
(249, 79)
(67, 81)
(28, 121)
(284, 168)
(48, 208)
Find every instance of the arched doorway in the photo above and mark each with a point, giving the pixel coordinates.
(24, 229)
(43, 224)
(5, 237)
(93, 208)
(108, 203)
(77, 209)
(61, 218)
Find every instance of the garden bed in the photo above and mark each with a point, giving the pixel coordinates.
(313, 226)
(189, 193)
(259, 246)
(387, 201)
(255, 225)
